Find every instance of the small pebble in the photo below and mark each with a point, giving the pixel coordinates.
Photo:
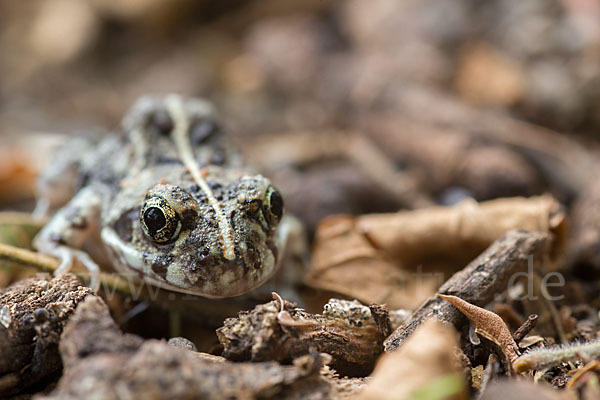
(454, 195)
(182, 343)
(5, 318)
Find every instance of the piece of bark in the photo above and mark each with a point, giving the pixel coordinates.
(92, 331)
(33, 313)
(427, 357)
(102, 362)
(347, 388)
(400, 259)
(351, 333)
(158, 370)
(478, 282)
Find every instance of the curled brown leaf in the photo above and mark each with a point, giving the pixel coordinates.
(488, 324)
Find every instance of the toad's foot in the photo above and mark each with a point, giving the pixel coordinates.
(41, 210)
(65, 234)
(66, 256)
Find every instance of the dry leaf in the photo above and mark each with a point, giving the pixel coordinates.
(578, 374)
(401, 259)
(427, 357)
(17, 176)
(511, 389)
(528, 341)
(488, 324)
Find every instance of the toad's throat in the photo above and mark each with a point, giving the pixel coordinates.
(180, 137)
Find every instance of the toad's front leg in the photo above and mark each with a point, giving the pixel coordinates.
(67, 231)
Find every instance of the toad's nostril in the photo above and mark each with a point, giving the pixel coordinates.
(203, 254)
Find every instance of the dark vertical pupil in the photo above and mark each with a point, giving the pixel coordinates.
(276, 203)
(154, 219)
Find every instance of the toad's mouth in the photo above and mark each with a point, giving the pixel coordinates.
(126, 255)
(227, 279)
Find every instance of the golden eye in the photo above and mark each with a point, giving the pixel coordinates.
(159, 220)
(274, 206)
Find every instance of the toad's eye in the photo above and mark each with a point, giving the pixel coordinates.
(274, 206)
(161, 122)
(159, 220)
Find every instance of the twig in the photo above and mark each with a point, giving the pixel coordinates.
(11, 256)
(525, 328)
(579, 373)
(211, 311)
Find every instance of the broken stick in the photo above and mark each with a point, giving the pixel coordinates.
(478, 282)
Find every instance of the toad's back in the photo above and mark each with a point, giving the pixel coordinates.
(172, 202)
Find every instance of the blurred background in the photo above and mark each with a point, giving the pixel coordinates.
(355, 107)
(449, 98)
